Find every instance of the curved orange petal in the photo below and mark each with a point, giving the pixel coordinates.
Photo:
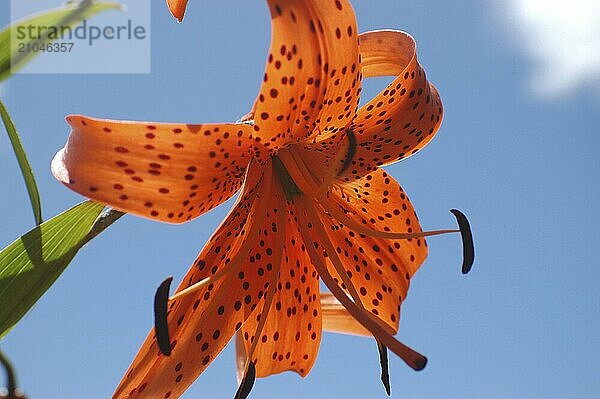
(312, 78)
(378, 202)
(335, 319)
(203, 322)
(233, 233)
(177, 8)
(163, 171)
(374, 201)
(380, 269)
(342, 285)
(291, 336)
(404, 117)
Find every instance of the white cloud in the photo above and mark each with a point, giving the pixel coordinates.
(563, 39)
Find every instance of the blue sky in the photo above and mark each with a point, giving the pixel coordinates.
(517, 152)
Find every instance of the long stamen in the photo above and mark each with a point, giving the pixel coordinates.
(335, 260)
(414, 359)
(267, 305)
(326, 241)
(463, 224)
(250, 371)
(332, 209)
(308, 185)
(161, 300)
(206, 281)
(277, 259)
(236, 259)
(302, 176)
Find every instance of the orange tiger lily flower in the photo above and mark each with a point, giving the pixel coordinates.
(314, 202)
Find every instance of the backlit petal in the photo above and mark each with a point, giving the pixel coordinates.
(404, 117)
(378, 202)
(168, 172)
(337, 319)
(312, 77)
(203, 322)
(177, 8)
(379, 269)
(341, 286)
(292, 333)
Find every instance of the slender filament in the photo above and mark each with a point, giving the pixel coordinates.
(414, 359)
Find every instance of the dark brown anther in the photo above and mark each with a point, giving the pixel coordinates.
(385, 367)
(161, 325)
(419, 363)
(247, 382)
(467, 240)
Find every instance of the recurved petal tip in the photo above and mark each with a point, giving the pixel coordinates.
(58, 168)
(177, 8)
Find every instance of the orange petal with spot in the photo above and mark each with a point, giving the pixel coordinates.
(162, 171)
(203, 322)
(291, 336)
(177, 8)
(378, 202)
(380, 269)
(312, 77)
(405, 116)
(340, 288)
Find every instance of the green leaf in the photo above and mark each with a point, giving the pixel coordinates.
(32, 190)
(30, 265)
(70, 15)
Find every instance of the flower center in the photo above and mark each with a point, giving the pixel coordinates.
(290, 188)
